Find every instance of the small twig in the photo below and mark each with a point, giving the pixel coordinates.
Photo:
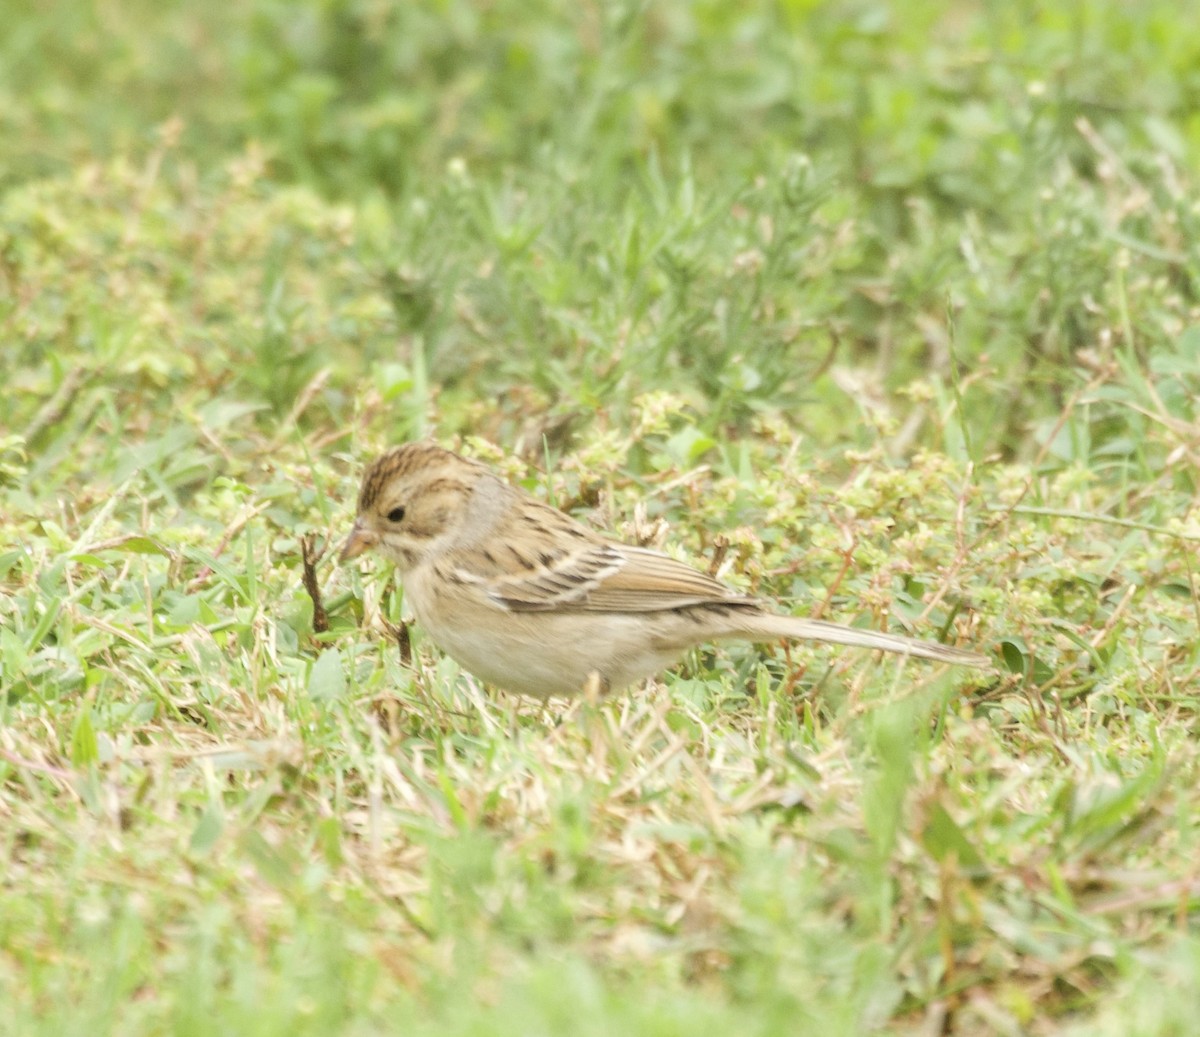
(54, 409)
(961, 552)
(32, 765)
(847, 560)
(1006, 511)
(1187, 561)
(1090, 516)
(1115, 615)
(303, 399)
(117, 542)
(232, 530)
(795, 671)
(720, 550)
(399, 633)
(1176, 890)
(310, 555)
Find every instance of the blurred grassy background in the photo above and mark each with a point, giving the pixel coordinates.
(892, 305)
(593, 202)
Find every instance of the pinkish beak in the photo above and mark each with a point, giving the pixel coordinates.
(359, 540)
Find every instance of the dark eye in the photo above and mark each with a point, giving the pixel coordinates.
(396, 515)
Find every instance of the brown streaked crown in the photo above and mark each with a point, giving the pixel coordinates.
(401, 461)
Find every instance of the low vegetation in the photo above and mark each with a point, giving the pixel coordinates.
(888, 312)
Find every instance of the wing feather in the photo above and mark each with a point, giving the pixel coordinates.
(542, 560)
(604, 577)
(650, 581)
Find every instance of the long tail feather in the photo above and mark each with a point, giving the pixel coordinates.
(768, 627)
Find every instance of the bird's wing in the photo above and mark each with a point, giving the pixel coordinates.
(603, 576)
(649, 581)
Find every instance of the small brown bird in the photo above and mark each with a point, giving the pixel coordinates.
(528, 599)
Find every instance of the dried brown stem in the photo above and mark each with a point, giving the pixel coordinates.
(310, 555)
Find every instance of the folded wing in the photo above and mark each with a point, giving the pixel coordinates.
(608, 577)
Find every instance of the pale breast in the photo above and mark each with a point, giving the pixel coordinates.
(542, 654)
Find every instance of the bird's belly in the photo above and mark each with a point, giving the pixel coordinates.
(542, 654)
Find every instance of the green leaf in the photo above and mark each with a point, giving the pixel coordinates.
(208, 829)
(84, 748)
(271, 864)
(327, 679)
(53, 605)
(142, 545)
(943, 838)
(1015, 654)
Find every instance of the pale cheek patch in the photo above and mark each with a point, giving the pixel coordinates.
(428, 524)
(423, 530)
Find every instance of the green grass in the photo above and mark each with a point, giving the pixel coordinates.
(893, 308)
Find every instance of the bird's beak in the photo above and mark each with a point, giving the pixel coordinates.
(359, 540)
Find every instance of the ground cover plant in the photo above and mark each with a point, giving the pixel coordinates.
(886, 311)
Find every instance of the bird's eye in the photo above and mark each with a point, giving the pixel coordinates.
(396, 515)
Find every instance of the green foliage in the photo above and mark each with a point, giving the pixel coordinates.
(887, 310)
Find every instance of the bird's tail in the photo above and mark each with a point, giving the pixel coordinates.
(767, 627)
